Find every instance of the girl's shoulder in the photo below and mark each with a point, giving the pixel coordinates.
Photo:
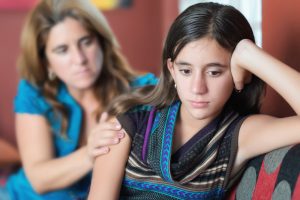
(135, 119)
(140, 108)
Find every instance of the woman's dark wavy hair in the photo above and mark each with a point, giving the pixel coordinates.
(223, 23)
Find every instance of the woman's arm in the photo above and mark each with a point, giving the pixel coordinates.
(109, 171)
(261, 133)
(44, 171)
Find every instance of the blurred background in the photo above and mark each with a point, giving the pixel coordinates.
(141, 26)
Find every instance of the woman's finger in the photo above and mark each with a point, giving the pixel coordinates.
(100, 151)
(103, 117)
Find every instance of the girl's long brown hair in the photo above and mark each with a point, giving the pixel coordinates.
(223, 23)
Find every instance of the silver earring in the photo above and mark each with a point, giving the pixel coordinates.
(175, 85)
(51, 75)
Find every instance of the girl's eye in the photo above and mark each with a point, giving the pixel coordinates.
(214, 73)
(185, 71)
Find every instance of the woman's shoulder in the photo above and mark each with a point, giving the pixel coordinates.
(29, 99)
(145, 79)
(27, 88)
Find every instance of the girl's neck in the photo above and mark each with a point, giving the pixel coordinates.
(186, 127)
(188, 122)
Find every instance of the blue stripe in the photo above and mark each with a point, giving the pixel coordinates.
(170, 190)
(167, 142)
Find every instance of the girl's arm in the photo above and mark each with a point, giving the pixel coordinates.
(261, 133)
(106, 133)
(36, 146)
(109, 171)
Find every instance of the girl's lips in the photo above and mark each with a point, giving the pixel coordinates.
(199, 104)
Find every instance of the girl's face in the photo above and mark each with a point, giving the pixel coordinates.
(74, 55)
(203, 79)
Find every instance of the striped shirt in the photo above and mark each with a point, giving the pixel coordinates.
(200, 169)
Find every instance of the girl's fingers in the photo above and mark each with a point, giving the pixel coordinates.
(240, 77)
(239, 85)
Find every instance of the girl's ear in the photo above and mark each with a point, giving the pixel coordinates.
(170, 65)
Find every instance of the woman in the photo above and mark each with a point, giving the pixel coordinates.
(192, 134)
(71, 68)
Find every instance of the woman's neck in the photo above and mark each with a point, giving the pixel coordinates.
(85, 98)
(90, 106)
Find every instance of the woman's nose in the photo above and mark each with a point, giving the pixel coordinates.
(79, 56)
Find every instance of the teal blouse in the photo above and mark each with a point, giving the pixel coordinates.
(30, 100)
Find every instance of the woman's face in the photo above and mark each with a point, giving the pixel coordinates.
(74, 55)
(203, 78)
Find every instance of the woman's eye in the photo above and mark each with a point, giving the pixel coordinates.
(214, 73)
(87, 41)
(61, 50)
(185, 71)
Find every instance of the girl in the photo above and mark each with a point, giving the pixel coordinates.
(192, 134)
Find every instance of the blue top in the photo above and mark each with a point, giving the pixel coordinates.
(30, 100)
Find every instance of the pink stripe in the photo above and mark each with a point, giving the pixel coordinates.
(148, 130)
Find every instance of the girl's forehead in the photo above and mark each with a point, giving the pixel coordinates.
(204, 49)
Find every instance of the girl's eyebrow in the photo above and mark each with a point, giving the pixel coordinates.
(216, 64)
(213, 64)
(182, 63)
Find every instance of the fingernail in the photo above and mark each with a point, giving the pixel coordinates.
(120, 135)
(118, 125)
(116, 140)
(105, 149)
(239, 87)
(238, 91)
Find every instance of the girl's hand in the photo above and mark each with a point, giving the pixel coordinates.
(240, 75)
(106, 133)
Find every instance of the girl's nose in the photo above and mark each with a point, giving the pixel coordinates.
(199, 85)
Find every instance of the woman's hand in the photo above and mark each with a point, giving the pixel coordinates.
(106, 133)
(240, 74)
